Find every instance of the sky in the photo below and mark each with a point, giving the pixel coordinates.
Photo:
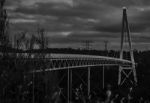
(68, 23)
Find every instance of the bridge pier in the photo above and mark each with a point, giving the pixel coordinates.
(130, 71)
(70, 84)
(33, 93)
(89, 81)
(103, 77)
(69, 91)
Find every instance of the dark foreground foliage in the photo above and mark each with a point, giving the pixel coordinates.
(17, 85)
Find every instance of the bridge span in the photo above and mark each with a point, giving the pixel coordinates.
(67, 61)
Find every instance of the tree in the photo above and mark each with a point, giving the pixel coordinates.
(42, 40)
(4, 39)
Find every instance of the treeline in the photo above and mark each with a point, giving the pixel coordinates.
(17, 84)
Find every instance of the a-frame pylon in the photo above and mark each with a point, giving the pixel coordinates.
(126, 72)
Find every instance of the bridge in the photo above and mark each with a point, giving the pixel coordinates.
(65, 61)
(58, 62)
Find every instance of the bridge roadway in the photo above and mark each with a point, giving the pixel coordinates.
(53, 61)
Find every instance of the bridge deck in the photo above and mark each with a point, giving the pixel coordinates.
(55, 61)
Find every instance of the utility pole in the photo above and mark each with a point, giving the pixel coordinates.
(87, 47)
(106, 53)
(106, 45)
(87, 44)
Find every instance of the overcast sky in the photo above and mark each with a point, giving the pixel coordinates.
(69, 22)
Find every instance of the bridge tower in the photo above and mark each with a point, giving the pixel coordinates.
(125, 72)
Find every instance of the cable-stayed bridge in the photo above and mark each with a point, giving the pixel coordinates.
(55, 62)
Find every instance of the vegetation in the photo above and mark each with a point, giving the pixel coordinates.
(17, 83)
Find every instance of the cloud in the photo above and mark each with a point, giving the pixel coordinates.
(22, 21)
(72, 21)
